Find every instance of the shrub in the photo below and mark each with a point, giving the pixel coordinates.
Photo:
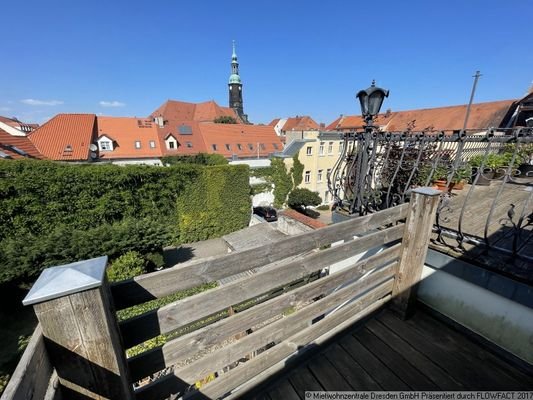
(301, 198)
(225, 119)
(200, 158)
(126, 266)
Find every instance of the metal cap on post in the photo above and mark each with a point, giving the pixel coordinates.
(73, 305)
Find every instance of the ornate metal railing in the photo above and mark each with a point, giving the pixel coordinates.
(377, 170)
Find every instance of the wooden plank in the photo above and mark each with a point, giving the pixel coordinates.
(327, 375)
(31, 378)
(395, 362)
(414, 357)
(162, 388)
(83, 344)
(418, 226)
(303, 380)
(53, 392)
(358, 378)
(190, 309)
(271, 360)
(286, 327)
(283, 390)
(495, 369)
(372, 365)
(454, 363)
(189, 345)
(183, 276)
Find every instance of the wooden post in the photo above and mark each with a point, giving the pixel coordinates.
(72, 303)
(418, 226)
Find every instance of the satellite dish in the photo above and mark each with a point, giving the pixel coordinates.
(93, 147)
(93, 155)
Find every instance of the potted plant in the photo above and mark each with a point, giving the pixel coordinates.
(492, 167)
(440, 178)
(524, 157)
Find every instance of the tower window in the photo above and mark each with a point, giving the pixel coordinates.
(214, 147)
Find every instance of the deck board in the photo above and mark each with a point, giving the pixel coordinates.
(387, 353)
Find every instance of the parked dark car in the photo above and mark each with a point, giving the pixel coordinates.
(267, 213)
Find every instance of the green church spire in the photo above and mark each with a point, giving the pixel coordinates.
(234, 77)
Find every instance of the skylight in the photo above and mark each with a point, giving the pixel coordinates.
(4, 155)
(19, 151)
(185, 130)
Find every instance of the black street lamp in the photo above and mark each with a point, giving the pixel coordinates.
(371, 100)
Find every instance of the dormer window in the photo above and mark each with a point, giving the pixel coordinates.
(105, 145)
(68, 148)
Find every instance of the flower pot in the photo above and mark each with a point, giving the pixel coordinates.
(440, 184)
(484, 178)
(526, 170)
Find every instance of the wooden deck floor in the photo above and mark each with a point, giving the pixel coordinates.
(386, 353)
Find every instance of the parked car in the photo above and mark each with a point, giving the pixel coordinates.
(267, 213)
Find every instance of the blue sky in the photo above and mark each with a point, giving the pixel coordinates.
(309, 57)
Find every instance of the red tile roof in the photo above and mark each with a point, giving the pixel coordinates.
(274, 122)
(254, 140)
(304, 219)
(21, 126)
(66, 137)
(7, 142)
(304, 123)
(482, 116)
(125, 131)
(173, 110)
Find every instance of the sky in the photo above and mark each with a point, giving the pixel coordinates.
(125, 58)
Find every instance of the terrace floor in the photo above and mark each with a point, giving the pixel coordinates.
(386, 353)
(511, 199)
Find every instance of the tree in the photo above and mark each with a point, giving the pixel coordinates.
(225, 119)
(299, 199)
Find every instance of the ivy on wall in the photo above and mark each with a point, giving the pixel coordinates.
(53, 213)
(297, 171)
(282, 181)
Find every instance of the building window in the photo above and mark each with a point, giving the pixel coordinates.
(105, 145)
(309, 150)
(262, 146)
(307, 178)
(330, 148)
(239, 146)
(214, 147)
(137, 144)
(152, 144)
(189, 145)
(228, 147)
(321, 149)
(275, 145)
(170, 145)
(250, 146)
(319, 175)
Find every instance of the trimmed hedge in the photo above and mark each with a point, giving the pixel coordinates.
(53, 213)
(217, 204)
(200, 158)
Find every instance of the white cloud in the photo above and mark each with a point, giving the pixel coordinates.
(34, 102)
(112, 103)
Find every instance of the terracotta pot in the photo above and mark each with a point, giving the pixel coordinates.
(440, 184)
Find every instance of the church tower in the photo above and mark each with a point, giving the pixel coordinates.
(235, 88)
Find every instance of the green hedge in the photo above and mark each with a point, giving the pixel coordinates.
(53, 213)
(200, 158)
(218, 204)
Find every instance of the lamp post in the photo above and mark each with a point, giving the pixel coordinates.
(371, 100)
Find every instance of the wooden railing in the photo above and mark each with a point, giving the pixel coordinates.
(284, 315)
